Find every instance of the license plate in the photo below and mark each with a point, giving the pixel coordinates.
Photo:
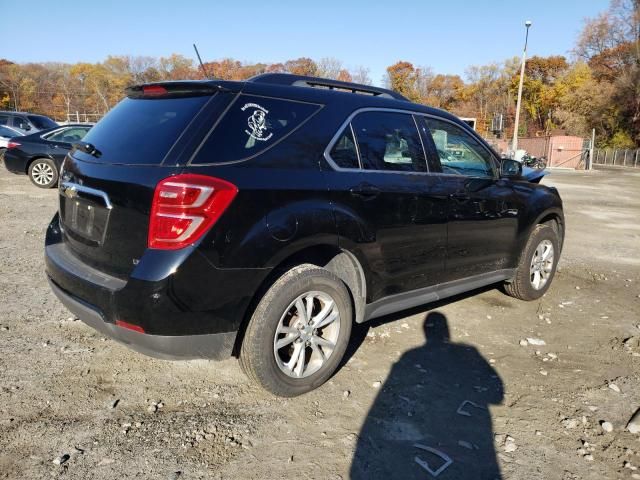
(85, 218)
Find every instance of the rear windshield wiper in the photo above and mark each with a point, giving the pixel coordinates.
(88, 148)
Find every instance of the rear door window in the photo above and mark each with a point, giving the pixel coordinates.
(41, 122)
(389, 141)
(69, 135)
(252, 125)
(21, 123)
(141, 131)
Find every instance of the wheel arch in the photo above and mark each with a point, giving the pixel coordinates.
(554, 217)
(342, 263)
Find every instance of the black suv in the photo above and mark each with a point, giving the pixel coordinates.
(262, 218)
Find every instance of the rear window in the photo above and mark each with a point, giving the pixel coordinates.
(141, 131)
(41, 122)
(252, 125)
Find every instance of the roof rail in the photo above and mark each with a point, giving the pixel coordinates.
(326, 83)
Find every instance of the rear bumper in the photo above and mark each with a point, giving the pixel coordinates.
(183, 306)
(13, 163)
(217, 346)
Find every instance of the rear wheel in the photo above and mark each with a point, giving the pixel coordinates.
(537, 265)
(43, 173)
(298, 333)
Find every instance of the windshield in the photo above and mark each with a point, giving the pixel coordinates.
(41, 122)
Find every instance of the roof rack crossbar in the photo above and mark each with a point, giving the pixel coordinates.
(304, 81)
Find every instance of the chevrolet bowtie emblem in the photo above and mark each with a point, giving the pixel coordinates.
(70, 192)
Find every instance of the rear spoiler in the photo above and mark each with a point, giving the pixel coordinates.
(177, 89)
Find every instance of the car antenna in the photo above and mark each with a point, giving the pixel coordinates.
(204, 70)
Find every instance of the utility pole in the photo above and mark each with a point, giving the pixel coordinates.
(591, 150)
(514, 145)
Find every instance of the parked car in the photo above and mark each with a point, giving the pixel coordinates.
(40, 155)
(26, 122)
(261, 219)
(6, 134)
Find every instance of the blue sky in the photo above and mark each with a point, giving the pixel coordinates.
(447, 35)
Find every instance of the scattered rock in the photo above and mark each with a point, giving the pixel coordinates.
(510, 445)
(346, 394)
(634, 423)
(61, 459)
(614, 387)
(536, 341)
(523, 343)
(569, 423)
(588, 458)
(544, 372)
(152, 408)
(174, 475)
(114, 403)
(607, 426)
(376, 384)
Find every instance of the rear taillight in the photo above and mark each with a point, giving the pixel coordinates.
(11, 144)
(185, 207)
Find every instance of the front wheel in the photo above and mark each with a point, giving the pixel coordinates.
(43, 173)
(537, 265)
(298, 333)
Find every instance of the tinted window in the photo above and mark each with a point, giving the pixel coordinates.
(252, 125)
(389, 141)
(459, 152)
(142, 131)
(344, 152)
(4, 120)
(69, 135)
(41, 122)
(20, 122)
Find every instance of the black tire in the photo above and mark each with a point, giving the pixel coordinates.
(522, 286)
(258, 354)
(43, 173)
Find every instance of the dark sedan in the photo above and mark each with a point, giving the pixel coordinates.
(40, 154)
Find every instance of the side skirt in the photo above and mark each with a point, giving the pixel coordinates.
(403, 301)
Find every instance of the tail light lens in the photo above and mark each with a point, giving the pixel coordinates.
(185, 207)
(11, 144)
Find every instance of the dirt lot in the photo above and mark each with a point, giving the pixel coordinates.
(537, 410)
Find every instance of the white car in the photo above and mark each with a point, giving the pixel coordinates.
(6, 134)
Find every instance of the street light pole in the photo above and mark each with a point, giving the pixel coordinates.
(514, 144)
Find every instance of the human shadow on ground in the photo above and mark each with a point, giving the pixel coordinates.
(432, 408)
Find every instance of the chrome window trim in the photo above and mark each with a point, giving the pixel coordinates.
(347, 122)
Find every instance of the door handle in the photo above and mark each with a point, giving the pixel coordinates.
(365, 191)
(460, 196)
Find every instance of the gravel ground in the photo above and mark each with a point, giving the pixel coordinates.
(505, 389)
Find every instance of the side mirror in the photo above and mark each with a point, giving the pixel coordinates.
(26, 127)
(510, 168)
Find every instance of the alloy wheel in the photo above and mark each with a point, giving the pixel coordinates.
(307, 334)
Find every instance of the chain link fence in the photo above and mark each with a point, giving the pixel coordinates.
(618, 157)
